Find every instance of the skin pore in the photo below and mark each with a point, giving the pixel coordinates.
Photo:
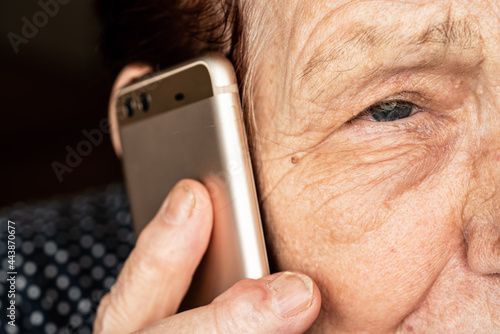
(397, 222)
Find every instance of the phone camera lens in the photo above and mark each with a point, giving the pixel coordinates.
(145, 101)
(179, 97)
(129, 107)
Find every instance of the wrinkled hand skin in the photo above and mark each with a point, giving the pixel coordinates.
(397, 222)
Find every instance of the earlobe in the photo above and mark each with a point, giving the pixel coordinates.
(127, 75)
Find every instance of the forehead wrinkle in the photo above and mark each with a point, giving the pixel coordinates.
(367, 39)
(361, 38)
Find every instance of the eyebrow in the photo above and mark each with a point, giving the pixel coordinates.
(461, 34)
(450, 33)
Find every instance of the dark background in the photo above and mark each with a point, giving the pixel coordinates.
(54, 88)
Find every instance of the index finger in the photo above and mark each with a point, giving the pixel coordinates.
(159, 270)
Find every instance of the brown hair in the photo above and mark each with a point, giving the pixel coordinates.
(164, 32)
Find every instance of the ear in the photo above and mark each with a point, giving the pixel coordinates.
(127, 75)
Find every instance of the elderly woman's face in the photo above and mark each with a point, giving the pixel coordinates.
(377, 140)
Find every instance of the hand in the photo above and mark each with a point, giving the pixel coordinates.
(159, 270)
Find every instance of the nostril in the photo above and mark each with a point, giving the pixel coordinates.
(483, 247)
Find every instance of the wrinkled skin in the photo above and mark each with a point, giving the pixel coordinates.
(397, 222)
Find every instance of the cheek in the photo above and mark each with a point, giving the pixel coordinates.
(373, 224)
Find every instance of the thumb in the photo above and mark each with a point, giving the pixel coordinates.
(285, 302)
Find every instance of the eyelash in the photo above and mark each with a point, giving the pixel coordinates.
(383, 112)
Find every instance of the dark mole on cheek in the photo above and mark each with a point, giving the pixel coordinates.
(294, 160)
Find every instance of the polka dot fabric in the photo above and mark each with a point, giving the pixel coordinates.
(68, 255)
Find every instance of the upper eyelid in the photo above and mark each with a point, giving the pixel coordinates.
(419, 99)
(366, 112)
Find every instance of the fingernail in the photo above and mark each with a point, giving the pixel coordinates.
(292, 293)
(179, 204)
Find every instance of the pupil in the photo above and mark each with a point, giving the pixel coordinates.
(391, 111)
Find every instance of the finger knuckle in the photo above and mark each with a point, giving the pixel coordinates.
(101, 314)
(147, 253)
(110, 315)
(244, 309)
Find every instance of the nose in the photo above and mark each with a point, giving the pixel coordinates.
(483, 245)
(482, 211)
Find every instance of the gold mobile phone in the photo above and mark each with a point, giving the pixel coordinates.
(186, 122)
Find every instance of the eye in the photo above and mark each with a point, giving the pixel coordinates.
(389, 111)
